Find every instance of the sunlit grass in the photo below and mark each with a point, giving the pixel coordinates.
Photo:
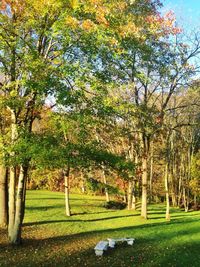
(52, 239)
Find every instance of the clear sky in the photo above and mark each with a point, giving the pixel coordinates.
(187, 11)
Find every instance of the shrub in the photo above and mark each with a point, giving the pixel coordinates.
(94, 186)
(115, 205)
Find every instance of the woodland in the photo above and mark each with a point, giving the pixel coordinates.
(99, 100)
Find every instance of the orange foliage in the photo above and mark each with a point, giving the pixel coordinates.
(16, 6)
(88, 25)
(165, 25)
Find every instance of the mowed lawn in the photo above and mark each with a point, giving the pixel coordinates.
(52, 239)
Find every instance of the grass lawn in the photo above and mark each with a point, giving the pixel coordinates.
(52, 239)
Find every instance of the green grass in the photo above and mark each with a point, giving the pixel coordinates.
(52, 239)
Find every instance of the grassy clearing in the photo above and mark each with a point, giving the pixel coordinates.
(51, 239)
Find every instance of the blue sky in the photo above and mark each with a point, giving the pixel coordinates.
(187, 11)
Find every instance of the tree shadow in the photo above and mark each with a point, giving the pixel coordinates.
(87, 199)
(46, 198)
(74, 250)
(43, 208)
(181, 215)
(98, 212)
(143, 242)
(80, 220)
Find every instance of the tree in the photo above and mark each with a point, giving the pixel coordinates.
(34, 47)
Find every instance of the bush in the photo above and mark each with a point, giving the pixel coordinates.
(46, 179)
(94, 186)
(115, 205)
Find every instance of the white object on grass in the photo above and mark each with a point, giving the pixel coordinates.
(113, 241)
(100, 247)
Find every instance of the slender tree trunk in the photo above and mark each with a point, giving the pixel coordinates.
(3, 197)
(82, 183)
(167, 191)
(174, 182)
(11, 202)
(15, 230)
(145, 157)
(24, 191)
(187, 168)
(130, 194)
(151, 175)
(174, 187)
(134, 184)
(133, 197)
(185, 200)
(105, 182)
(180, 185)
(125, 197)
(66, 178)
(195, 201)
(144, 187)
(12, 182)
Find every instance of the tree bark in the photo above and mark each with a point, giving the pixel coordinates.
(66, 180)
(167, 216)
(3, 197)
(144, 187)
(195, 201)
(133, 197)
(12, 181)
(11, 202)
(134, 184)
(145, 144)
(151, 175)
(24, 191)
(82, 183)
(185, 199)
(105, 182)
(130, 194)
(180, 183)
(16, 227)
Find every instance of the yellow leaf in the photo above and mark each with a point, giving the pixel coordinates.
(74, 4)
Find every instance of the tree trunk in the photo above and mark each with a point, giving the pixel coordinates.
(185, 200)
(130, 194)
(82, 183)
(24, 191)
(125, 197)
(105, 182)
(133, 197)
(3, 197)
(195, 201)
(144, 187)
(66, 178)
(167, 191)
(180, 183)
(174, 183)
(11, 202)
(151, 175)
(15, 229)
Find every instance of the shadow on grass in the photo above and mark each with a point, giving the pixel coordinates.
(181, 215)
(62, 197)
(98, 212)
(152, 247)
(43, 208)
(72, 220)
(87, 199)
(145, 250)
(45, 198)
(128, 228)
